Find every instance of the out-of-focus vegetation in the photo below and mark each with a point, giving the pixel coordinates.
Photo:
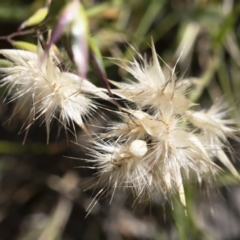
(42, 194)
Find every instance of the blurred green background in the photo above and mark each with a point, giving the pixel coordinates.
(42, 193)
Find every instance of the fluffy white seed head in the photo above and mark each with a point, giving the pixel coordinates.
(150, 88)
(39, 86)
(121, 165)
(166, 141)
(214, 122)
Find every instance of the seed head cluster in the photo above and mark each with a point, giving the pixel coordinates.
(160, 141)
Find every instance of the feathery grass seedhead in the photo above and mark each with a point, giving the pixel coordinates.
(122, 166)
(151, 88)
(40, 87)
(214, 123)
(180, 144)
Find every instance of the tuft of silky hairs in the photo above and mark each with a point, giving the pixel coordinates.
(161, 141)
(43, 91)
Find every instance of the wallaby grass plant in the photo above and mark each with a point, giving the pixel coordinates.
(163, 140)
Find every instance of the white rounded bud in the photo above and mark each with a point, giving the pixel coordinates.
(138, 148)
